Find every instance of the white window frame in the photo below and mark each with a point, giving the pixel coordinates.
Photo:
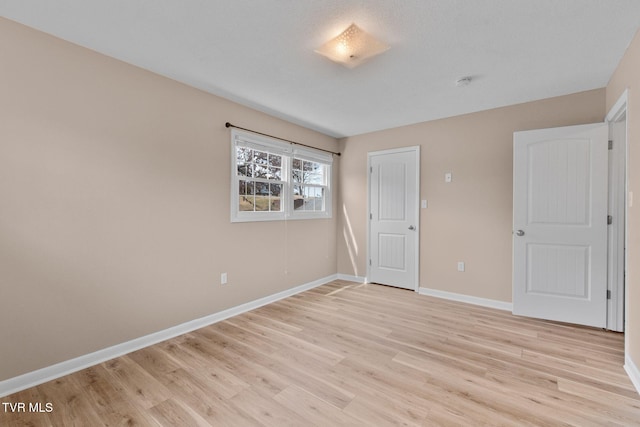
(288, 153)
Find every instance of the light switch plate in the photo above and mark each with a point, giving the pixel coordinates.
(447, 177)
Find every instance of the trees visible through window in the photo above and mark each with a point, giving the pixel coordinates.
(260, 184)
(272, 181)
(309, 183)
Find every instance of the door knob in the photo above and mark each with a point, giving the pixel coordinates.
(520, 233)
(411, 227)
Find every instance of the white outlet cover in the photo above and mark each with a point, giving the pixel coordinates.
(448, 177)
(460, 266)
(424, 204)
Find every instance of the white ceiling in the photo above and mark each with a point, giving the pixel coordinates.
(261, 52)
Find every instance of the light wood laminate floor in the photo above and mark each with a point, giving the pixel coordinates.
(354, 355)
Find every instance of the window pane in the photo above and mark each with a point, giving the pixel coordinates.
(275, 160)
(311, 167)
(313, 198)
(308, 172)
(314, 178)
(260, 157)
(308, 201)
(298, 198)
(245, 187)
(296, 175)
(307, 166)
(276, 191)
(311, 203)
(262, 189)
(246, 200)
(275, 173)
(319, 199)
(245, 170)
(262, 196)
(260, 171)
(246, 203)
(308, 198)
(243, 154)
(262, 203)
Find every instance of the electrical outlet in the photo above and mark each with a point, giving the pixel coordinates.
(448, 177)
(223, 278)
(424, 204)
(460, 265)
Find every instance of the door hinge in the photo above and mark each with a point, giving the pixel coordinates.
(369, 261)
(370, 169)
(608, 294)
(610, 145)
(370, 216)
(609, 219)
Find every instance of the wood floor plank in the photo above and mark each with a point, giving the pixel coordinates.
(107, 398)
(71, 406)
(173, 413)
(139, 385)
(207, 400)
(371, 410)
(347, 354)
(224, 360)
(286, 342)
(313, 409)
(268, 411)
(290, 371)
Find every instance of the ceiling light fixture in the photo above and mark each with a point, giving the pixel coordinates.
(352, 47)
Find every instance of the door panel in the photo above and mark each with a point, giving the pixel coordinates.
(560, 224)
(393, 219)
(559, 184)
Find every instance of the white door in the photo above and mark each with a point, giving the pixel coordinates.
(393, 217)
(560, 224)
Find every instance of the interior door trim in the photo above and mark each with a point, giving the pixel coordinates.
(416, 150)
(619, 298)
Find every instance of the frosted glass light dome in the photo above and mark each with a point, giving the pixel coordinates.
(352, 47)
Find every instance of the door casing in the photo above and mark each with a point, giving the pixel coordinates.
(416, 245)
(618, 184)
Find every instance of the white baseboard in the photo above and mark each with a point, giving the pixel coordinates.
(34, 378)
(484, 302)
(633, 372)
(351, 278)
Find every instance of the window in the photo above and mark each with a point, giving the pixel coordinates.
(259, 180)
(272, 180)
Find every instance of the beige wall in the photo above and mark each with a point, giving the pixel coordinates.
(469, 219)
(627, 76)
(114, 205)
(114, 196)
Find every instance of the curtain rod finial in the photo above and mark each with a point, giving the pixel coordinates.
(227, 125)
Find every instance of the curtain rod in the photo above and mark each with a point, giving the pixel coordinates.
(229, 125)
